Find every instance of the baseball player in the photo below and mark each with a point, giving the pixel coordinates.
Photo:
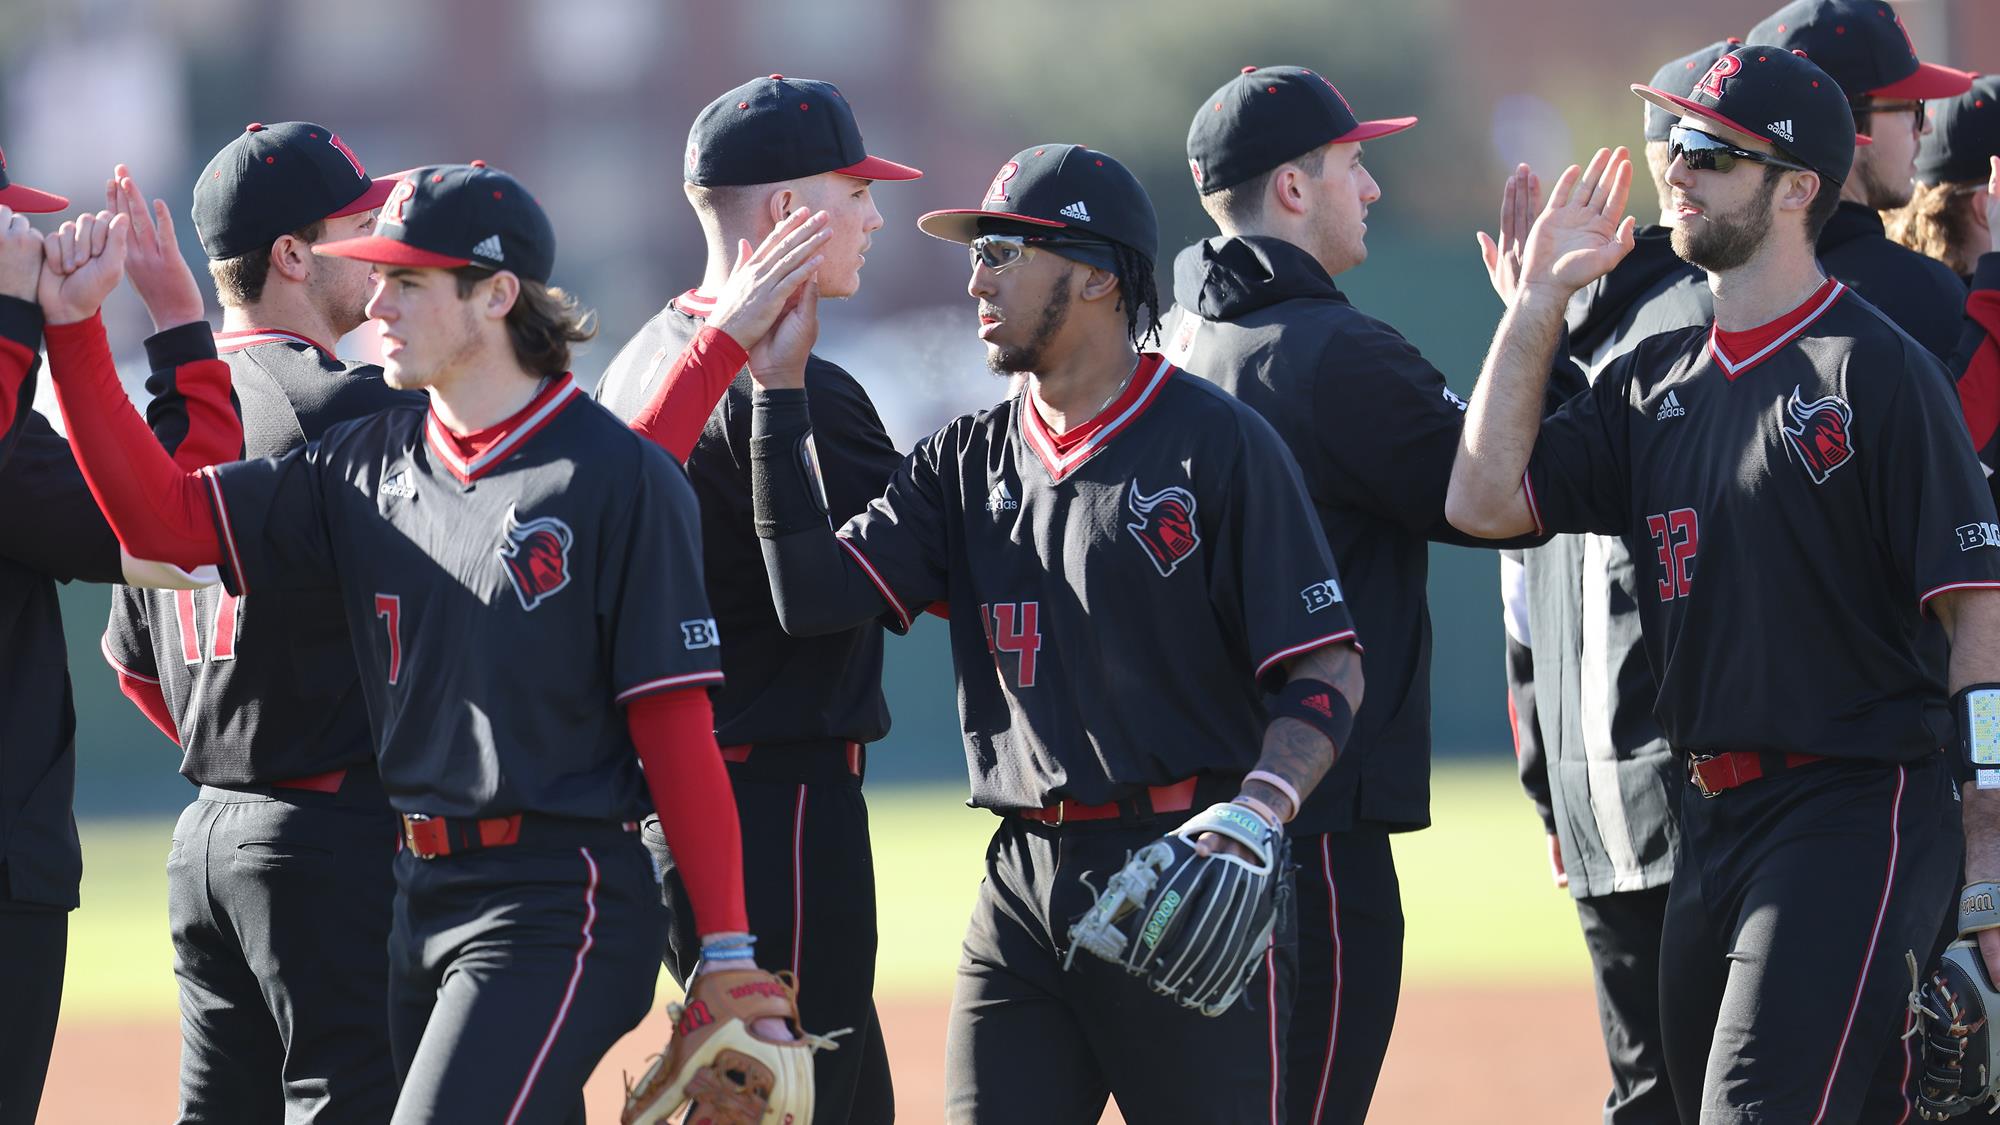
(1944, 218)
(1580, 692)
(518, 572)
(795, 712)
(279, 882)
(1129, 560)
(1864, 46)
(1813, 499)
(53, 532)
(1276, 158)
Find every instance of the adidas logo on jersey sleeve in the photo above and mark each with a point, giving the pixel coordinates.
(1670, 407)
(489, 249)
(1781, 128)
(1076, 211)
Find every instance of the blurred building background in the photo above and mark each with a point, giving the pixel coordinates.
(589, 101)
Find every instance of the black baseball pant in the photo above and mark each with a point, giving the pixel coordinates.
(1783, 981)
(278, 902)
(1622, 931)
(809, 885)
(514, 969)
(34, 944)
(1350, 972)
(1029, 1041)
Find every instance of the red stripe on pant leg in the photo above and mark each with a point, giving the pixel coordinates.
(1271, 1007)
(1881, 911)
(798, 879)
(1333, 1020)
(569, 993)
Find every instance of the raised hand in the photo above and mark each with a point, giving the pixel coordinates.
(1520, 201)
(153, 261)
(20, 256)
(779, 359)
(1583, 231)
(764, 280)
(82, 263)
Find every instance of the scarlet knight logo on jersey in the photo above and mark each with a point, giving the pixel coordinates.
(536, 557)
(1821, 436)
(1165, 525)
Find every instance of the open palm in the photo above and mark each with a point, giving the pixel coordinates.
(81, 264)
(1583, 231)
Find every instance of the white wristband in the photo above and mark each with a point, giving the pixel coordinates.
(1281, 785)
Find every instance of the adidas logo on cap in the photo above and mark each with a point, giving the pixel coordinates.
(1670, 408)
(489, 249)
(1076, 211)
(1781, 128)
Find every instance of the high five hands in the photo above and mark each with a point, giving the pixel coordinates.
(82, 263)
(1582, 232)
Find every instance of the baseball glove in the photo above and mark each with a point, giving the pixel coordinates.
(1194, 926)
(718, 1061)
(1952, 1020)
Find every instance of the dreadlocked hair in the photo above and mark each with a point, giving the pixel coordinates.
(1136, 291)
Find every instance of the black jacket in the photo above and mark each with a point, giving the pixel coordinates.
(1374, 429)
(1920, 294)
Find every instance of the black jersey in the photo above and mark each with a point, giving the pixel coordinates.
(260, 690)
(1115, 602)
(780, 688)
(500, 606)
(1791, 512)
(1919, 294)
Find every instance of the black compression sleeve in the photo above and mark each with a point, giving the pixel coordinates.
(816, 585)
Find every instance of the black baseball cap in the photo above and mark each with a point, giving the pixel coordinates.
(1679, 77)
(25, 199)
(779, 128)
(1267, 115)
(1965, 132)
(452, 215)
(1863, 44)
(272, 180)
(1777, 96)
(1080, 191)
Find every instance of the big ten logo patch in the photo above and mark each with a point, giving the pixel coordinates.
(1973, 536)
(700, 633)
(1321, 595)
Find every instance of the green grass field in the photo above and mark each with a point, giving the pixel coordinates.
(1476, 894)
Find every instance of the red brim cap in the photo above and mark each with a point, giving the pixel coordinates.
(1930, 81)
(876, 168)
(1675, 104)
(377, 193)
(963, 225)
(388, 251)
(1369, 130)
(28, 201)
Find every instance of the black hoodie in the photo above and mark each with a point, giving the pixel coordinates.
(1374, 428)
(1922, 295)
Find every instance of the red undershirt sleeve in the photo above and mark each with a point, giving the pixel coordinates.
(151, 701)
(673, 418)
(158, 510)
(675, 734)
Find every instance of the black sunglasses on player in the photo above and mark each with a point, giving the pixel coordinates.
(1704, 153)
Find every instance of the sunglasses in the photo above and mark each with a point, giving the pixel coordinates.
(999, 252)
(1704, 153)
(1916, 110)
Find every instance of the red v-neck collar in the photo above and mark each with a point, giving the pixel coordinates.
(471, 456)
(1737, 352)
(226, 342)
(1062, 453)
(694, 303)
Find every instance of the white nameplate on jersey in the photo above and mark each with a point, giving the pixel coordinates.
(1982, 728)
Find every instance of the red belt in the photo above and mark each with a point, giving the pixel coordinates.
(1717, 773)
(429, 837)
(328, 782)
(1178, 797)
(742, 754)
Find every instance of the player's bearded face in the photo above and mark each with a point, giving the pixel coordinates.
(1718, 239)
(1021, 310)
(1884, 171)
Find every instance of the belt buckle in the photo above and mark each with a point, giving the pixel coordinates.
(410, 821)
(1062, 814)
(1700, 782)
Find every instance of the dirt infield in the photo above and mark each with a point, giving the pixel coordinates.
(1517, 1054)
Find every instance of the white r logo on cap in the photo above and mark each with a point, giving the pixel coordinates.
(997, 191)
